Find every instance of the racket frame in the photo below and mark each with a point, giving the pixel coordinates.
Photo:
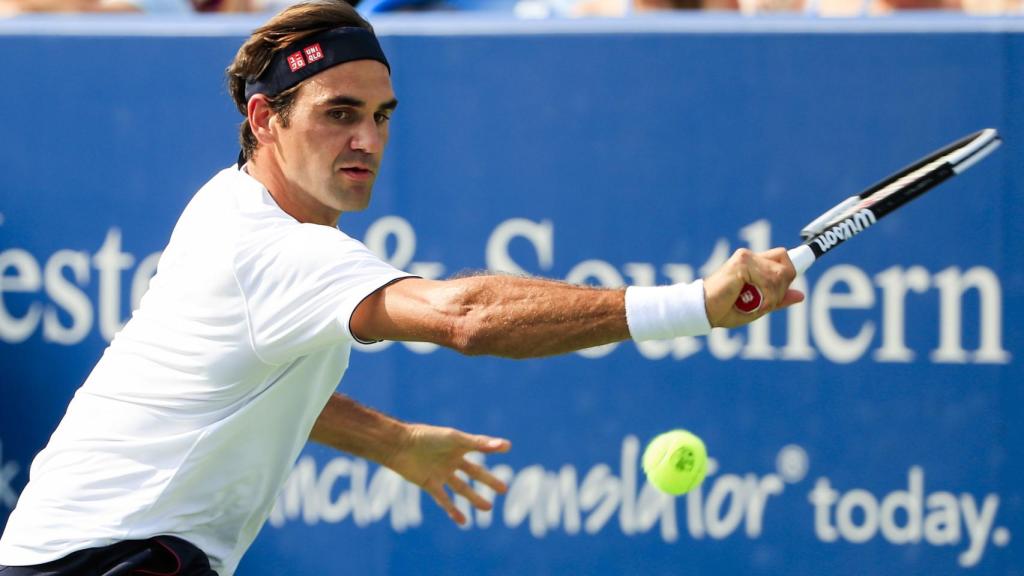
(856, 213)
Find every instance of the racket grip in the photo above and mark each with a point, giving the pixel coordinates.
(750, 298)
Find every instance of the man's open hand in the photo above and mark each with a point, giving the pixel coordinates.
(431, 456)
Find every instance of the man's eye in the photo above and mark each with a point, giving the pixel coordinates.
(382, 118)
(340, 114)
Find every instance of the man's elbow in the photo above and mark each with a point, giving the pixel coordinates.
(468, 337)
(460, 326)
(473, 327)
(480, 339)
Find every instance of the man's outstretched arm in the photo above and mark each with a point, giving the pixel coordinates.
(528, 317)
(428, 456)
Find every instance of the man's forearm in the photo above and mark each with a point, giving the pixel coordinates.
(525, 317)
(346, 425)
(499, 315)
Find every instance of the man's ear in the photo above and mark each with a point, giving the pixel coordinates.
(260, 116)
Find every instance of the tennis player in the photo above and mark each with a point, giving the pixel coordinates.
(172, 452)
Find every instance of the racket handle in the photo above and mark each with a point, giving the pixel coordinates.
(750, 297)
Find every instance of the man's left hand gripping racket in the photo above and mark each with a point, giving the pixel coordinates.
(853, 215)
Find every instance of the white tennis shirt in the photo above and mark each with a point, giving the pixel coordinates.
(192, 419)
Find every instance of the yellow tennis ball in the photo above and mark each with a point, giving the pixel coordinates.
(676, 461)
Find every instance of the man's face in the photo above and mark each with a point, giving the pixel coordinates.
(331, 150)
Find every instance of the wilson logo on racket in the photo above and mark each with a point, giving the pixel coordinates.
(846, 228)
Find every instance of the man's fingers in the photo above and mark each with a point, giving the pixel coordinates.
(772, 274)
(437, 492)
(460, 487)
(780, 255)
(490, 444)
(791, 297)
(483, 475)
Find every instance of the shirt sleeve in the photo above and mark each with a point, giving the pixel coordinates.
(302, 286)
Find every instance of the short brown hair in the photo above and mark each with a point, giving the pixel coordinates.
(290, 25)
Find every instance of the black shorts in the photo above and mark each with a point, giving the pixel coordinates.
(157, 556)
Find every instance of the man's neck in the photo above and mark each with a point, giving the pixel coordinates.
(288, 196)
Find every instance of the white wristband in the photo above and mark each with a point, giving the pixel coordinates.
(662, 312)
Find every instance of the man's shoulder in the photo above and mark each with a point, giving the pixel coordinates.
(209, 226)
(300, 244)
(229, 182)
(235, 211)
(229, 199)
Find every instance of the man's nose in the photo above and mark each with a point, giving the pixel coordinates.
(368, 137)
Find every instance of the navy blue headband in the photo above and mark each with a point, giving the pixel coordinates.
(314, 55)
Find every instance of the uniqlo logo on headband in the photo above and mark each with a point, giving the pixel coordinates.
(296, 62)
(313, 53)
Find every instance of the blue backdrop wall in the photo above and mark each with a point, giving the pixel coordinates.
(875, 429)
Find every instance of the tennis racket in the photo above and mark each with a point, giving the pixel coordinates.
(859, 212)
